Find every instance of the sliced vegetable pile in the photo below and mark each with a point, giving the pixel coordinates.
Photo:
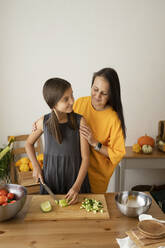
(6, 197)
(92, 205)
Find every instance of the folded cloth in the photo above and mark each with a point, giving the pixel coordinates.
(149, 217)
(127, 242)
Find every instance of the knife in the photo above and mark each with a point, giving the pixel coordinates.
(49, 191)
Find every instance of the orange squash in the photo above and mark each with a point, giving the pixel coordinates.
(146, 140)
(30, 165)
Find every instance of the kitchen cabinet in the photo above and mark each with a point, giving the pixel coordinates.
(133, 160)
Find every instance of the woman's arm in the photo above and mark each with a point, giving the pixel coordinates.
(33, 137)
(86, 132)
(115, 149)
(73, 192)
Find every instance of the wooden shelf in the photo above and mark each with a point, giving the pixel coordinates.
(155, 154)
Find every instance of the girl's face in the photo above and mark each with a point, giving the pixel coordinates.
(100, 93)
(65, 104)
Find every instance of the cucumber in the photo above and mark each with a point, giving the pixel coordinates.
(46, 206)
(91, 205)
(56, 201)
(63, 203)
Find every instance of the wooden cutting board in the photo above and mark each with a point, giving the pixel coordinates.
(143, 242)
(151, 228)
(72, 212)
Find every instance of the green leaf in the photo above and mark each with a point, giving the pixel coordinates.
(5, 164)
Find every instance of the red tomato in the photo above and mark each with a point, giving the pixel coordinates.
(3, 199)
(4, 204)
(10, 196)
(3, 192)
(12, 201)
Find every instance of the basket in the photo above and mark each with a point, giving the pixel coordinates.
(24, 178)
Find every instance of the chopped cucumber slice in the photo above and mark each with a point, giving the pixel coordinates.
(63, 203)
(57, 202)
(46, 206)
(92, 205)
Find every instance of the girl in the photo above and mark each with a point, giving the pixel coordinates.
(66, 155)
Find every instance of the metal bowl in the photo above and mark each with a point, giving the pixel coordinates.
(10, 210)
(133, 203)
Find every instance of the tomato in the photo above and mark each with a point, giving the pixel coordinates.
(10, 196)
(3, 199)
(3, 192)
(12, 201)
(4, 204)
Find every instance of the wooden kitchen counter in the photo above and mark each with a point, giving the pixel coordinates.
(17, 233)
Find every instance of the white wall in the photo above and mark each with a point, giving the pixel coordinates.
(72, 39)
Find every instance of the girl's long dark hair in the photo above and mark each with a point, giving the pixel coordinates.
(53, 90)
(114, 92)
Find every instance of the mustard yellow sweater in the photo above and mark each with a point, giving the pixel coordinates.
(106, 128)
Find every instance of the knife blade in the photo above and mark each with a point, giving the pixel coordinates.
(49, 191)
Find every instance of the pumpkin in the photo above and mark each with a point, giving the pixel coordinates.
(41, 164)
(147, 149)
(136, 148)
(161, 145)
(40, 157)
(30, 165)
(24, 160)
(146, 140)
(18, 163)
(24, 167)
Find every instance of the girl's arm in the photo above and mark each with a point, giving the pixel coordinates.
(72, 195)
(31, 140)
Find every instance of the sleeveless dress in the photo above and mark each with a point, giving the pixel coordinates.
(62, 161)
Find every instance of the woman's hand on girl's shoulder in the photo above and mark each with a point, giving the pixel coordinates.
(86, 132)
(32, 138)
(38, 124)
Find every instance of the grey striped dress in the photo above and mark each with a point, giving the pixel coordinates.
(62, 161)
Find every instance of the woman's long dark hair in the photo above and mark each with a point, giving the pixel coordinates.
(114, 92)
(53, 90)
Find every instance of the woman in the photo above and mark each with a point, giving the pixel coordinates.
(105, 131)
